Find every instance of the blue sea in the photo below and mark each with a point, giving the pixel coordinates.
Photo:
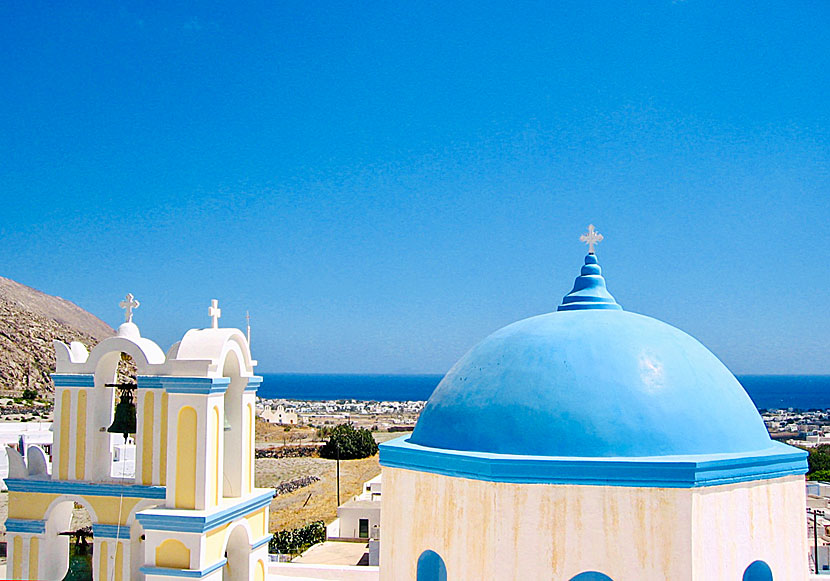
(767, 391)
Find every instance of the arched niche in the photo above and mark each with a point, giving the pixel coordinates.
(431, 567)
(757, 571)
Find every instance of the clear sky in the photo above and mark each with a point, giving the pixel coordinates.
(384, 184)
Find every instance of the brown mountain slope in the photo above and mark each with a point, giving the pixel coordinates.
(29, 321)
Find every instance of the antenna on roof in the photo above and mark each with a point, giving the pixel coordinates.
(248, 319)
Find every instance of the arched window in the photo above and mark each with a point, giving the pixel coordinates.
(758, 571)
(591, 576)
(431, 567)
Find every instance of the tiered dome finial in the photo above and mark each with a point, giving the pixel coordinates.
(589, 290)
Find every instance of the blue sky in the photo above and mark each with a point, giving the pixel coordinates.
(382, 186)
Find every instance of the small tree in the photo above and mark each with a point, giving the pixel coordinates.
(349, 443)
(29, 394)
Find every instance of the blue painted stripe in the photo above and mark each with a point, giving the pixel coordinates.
(149, 382)
(110, 531)
(195, 385)
(85, 488)
(73, 380)
(185, 573)
(19, 525)
(173, 520)
(253, 383)
(659, 471)
(263, 541)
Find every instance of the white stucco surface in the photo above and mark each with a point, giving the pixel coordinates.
(486, 530)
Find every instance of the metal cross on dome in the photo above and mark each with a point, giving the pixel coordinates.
(591, 238)
(129, 304)
(214, 312)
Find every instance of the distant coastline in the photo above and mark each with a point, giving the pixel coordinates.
(767, 391)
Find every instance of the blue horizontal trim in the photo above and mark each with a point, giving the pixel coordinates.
(253, 383)
(263, 541)
(73, 380)
(169, 520)
(186, 573)
(658, 471)
(149, 382)
(85, 488)
(110, 531)
(19, 525)
(195, 385)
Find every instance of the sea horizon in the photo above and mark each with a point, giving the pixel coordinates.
(767, 391)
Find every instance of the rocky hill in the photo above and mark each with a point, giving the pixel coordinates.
(29, 321)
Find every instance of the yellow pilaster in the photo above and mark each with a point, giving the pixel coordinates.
(66, 412)
(80, 436)
(186, 458)
(147, 440)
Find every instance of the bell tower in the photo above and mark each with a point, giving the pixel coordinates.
(189, 507)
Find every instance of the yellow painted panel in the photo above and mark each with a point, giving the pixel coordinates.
(119, 562)
(80, 436)
(217, 429)
(259, 572)
(17, 564)
(66, 412)
(163, 451)
(107, 508)
(256, 521)
(215, 544)
(34, 544)
(29, 505)
(174, 554)
(102, 563)
(249, 447)
(186, 458)
(147, 443)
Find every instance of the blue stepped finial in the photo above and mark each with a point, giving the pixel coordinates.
(589, 290)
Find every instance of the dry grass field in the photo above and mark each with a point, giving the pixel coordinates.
(297, 508)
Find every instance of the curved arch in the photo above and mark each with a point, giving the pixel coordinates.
(213, 345)
(234, 455)
(238, 552)
(58, 518)
(54, 505)
(143, 351)
(591, 576)
(431, 567)
(758, 571)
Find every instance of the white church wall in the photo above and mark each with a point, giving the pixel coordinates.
(486, 530)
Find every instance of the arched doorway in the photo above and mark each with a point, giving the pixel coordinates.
(591, 576)
(238, 553)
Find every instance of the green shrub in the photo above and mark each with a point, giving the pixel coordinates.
(349, 443)
(295, 541)
(819, 459)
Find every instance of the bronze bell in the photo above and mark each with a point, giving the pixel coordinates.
(125, 413)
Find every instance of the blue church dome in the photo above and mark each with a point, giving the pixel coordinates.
(591, 380)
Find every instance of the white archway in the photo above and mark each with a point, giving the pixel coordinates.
(53, 545)
(238, 553)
